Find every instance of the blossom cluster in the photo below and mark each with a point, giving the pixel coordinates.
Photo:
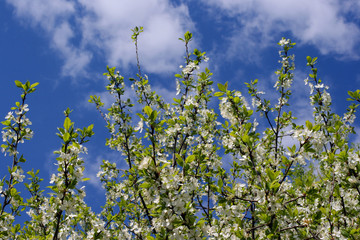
(178, 183)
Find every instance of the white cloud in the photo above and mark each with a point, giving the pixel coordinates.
(76, 59)
(78, 30)
(46, 14)
(110, 23)
(323, 23)
(54, 18)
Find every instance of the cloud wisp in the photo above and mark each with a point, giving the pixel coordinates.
(80, 30)
(330, 26)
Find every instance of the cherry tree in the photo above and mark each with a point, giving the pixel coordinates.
(175, 185)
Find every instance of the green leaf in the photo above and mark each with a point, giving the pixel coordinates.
(66, 137)
(245, 138)
(34, 85)
(308, 59)
(314, 60)
(67, 123)
(13, 192)
(31, 173)
(316, 128)
(309, 125)
(27, 84)
(22, 159)
(90, 127)
(188, 36)
(179, 160)
(18, 84)
(77, 145)
(220, 183)
(145, 185)
(153, 115)
(6, 123)
(148, 110)
(236, 100)
(275, 185)
(221, 87)
(190, 159)
(271, 174)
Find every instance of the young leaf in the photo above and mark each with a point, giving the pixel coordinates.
(67, 124)
(18, 83)
(148, 110)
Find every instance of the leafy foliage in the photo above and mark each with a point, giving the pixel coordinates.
(175, 186)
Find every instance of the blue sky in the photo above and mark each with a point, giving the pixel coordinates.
(66, 45)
